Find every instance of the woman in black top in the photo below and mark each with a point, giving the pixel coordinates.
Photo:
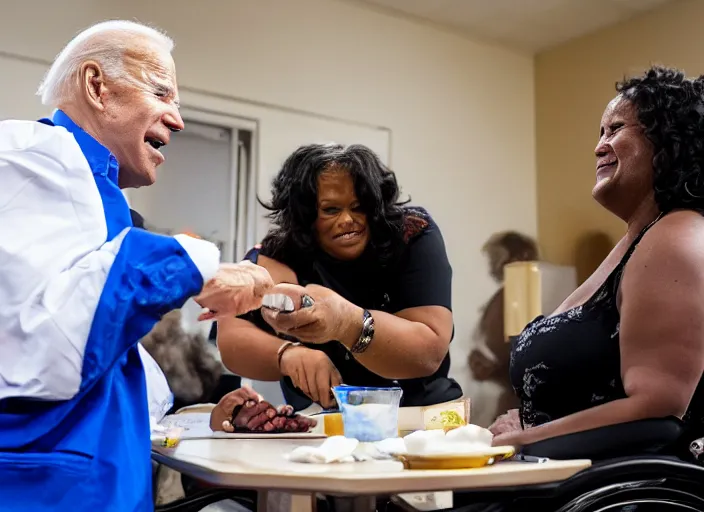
(341, 236)
(629, 343)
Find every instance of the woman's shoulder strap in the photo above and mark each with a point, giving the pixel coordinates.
(636, 241)
(613, 282)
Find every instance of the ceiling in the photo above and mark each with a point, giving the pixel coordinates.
(527, 25)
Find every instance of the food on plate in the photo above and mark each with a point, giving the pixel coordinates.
(467, 439)
(423, 441)
(470, 434)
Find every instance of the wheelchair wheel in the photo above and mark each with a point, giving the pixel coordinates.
(645, 496)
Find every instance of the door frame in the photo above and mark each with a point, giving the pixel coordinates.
(242, 185)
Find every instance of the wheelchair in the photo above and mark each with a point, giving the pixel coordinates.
(650, 465)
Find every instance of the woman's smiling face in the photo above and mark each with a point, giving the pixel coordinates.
(341, 225)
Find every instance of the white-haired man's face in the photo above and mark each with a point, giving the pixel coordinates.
(136, 115)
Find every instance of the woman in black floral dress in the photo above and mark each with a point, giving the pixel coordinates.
(629, 343)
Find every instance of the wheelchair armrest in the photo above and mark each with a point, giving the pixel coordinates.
(642, 437)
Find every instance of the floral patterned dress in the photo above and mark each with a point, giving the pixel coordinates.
(570, 362)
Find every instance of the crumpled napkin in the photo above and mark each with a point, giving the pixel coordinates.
(333, 449)
(343, 449)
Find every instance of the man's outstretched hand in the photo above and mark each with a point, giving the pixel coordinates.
(236, 289)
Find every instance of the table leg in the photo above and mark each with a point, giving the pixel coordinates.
(425, 502)
(355, 504)
(364, 504)
(262, 498)
(302, 503)
(272, 501)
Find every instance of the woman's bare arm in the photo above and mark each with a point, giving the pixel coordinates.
(247, 350)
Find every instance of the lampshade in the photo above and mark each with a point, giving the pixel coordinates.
(533, 288)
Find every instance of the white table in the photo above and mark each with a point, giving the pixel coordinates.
(260, 464)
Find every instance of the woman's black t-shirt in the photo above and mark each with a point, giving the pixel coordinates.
(422, 276)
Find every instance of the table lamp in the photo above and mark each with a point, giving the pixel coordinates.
(533, 288)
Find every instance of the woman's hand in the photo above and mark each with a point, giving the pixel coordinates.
(331, 317)
(312, 372)
(507, 429)
(509, 422)
(236, 289)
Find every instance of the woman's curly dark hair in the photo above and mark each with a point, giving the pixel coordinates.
(294, 203)
(671, 109)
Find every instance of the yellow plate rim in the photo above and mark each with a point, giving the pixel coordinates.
(494, 451)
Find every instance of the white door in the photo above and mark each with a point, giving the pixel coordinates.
(198, 187)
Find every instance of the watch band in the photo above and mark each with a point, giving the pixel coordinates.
(367, 335)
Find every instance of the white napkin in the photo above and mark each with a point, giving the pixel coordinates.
(389, 446)
(159, 396)
(333, 449)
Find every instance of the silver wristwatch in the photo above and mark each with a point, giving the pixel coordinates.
(367, 335)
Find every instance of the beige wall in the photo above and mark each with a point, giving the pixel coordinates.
(574, 82)
(461, 113)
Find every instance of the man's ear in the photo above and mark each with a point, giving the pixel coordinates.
(93, 84)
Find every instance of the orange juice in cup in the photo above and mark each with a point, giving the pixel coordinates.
(333, 425)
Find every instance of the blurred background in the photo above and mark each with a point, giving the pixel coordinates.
(487, 111)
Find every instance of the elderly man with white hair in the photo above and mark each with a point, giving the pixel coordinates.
(79, 286)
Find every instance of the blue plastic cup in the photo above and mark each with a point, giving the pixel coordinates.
(369, 414)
